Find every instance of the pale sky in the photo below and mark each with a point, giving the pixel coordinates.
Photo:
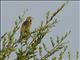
(69, 19)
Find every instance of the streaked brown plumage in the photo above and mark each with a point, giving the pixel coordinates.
(25, 29)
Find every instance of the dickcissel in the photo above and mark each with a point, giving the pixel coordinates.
(25, 29)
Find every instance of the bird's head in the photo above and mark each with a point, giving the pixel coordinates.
(29, 19)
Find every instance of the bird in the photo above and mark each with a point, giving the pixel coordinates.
(25, 29)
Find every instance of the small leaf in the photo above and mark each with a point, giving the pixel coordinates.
(47, 16)
(40, 50)
(52, 42)
(69, 56)
(77, 55)
(45, 48)
(57, 39)
(54, 58)
(3, 35)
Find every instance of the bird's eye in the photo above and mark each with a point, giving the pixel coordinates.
(30, 20)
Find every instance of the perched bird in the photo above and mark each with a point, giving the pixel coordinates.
(25, 29)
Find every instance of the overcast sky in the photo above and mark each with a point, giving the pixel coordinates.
(69, 19)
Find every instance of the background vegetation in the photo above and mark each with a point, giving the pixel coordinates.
(32, 49)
